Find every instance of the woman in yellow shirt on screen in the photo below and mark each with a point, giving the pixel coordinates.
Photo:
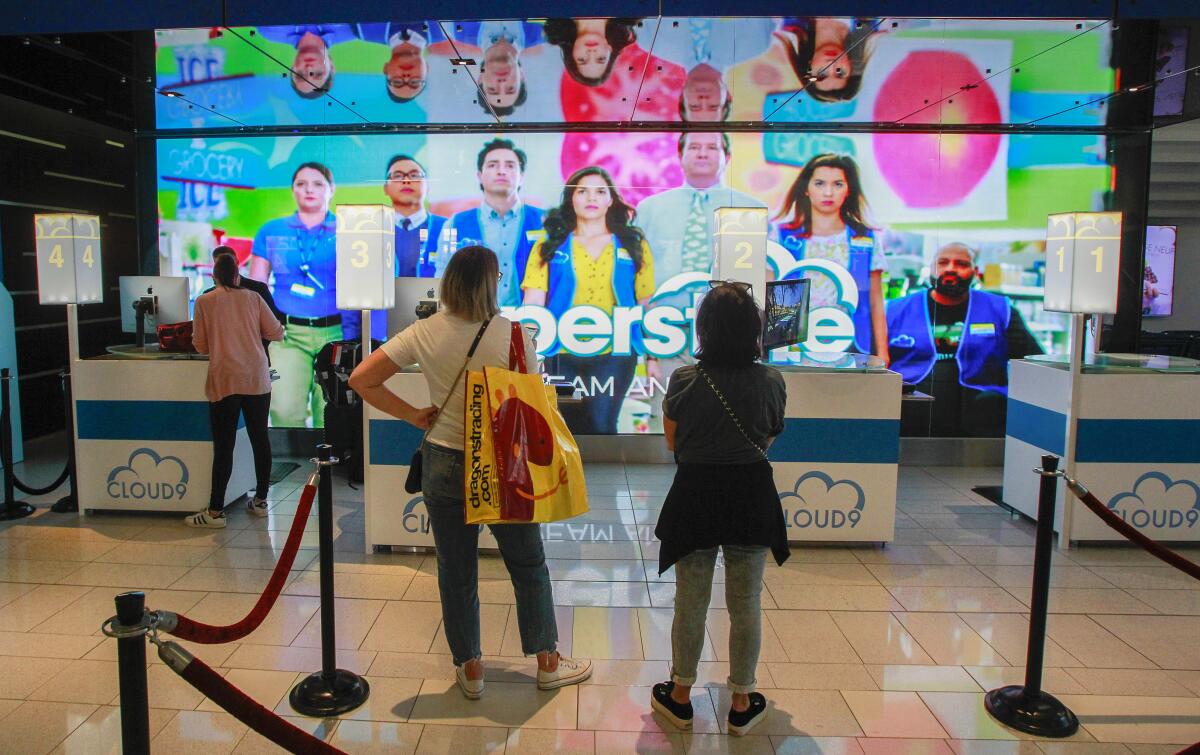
(592, 256)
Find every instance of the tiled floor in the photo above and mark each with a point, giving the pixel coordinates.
(865, 650)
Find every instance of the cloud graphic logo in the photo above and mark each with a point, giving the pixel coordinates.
(1160, 502)
(149, 477)
(411, 520)
(904, 341)
(817, 500)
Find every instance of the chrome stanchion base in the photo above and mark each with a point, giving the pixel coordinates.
(314, 697)
(15, 510)
(1041, 714)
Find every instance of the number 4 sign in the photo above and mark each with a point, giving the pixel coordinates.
(1083, 255)
(68, 259)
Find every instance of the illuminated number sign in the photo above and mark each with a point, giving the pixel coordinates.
(68, 259)
(1083, 256)
(366, 257)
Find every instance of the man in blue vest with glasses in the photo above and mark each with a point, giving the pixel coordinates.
(954, 342)
(502, 222)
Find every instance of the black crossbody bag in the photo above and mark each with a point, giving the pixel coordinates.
(412, 484)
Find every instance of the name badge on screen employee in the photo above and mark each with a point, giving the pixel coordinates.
(307, 292)
(983, 328)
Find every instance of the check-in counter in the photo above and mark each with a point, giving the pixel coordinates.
(142, 437)
(835, 465)
(1137, 442)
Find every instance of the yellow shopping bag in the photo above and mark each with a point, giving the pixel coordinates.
(522, 463)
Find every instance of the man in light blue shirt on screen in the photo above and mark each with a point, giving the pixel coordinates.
(502, 222)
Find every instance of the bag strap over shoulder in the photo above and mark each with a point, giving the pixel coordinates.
(729, 410)
(518, 360)
(470, 353)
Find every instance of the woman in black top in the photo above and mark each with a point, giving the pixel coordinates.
(719, 417)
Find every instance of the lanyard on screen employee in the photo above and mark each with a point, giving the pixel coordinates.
(307, 241)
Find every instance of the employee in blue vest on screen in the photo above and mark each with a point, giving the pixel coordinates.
(502, 222)
(954, 342)
(417, 229)
(406, 71)
(312, 68)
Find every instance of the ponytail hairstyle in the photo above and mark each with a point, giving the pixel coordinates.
(225, 271)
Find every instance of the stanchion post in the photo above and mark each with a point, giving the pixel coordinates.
(12, 509)
(69, 502)
(1026, 707)
(330, 691)
(131, 671)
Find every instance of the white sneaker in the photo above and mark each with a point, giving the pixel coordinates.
(205, 520)
(570, 671)
(257, 506)
(471, 688)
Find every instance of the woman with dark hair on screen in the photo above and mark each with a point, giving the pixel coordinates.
(828, 55)
(592, 255)
(824, 217)
(230, 325)
(590, 46)
(720, 416)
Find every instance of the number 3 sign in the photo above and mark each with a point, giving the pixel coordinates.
(68, 259)
(1083, 255)
(366, 257)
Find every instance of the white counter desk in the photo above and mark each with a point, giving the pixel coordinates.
(142, 438)
(835, 464)
(1137, 448)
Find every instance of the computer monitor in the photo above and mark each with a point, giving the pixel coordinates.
(787, 313)
(409, 293)
(170, 300)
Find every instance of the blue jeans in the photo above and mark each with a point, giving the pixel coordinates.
(458, 563)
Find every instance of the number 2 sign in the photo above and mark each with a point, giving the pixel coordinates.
(1083, 254)
(740, 247)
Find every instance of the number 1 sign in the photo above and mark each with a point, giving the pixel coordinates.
(1083, 255)
(68, 259)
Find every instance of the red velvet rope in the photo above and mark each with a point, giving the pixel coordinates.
(207, 634)
(1128, 532)
(215, 687)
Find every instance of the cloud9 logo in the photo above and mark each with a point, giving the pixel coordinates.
(1157, 501)
(149, 477)
(412, 521)
(819, 502)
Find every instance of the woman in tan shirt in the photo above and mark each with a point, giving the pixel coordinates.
(230, 325)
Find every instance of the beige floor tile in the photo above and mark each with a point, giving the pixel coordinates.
(454, 740)
(1148, 749)
(606, 633)
(213, 655)
(1121, 554)
(10, 591)
(643, 742)
(568, 570)
(503, 704)
(1004, 555)
(37, 645)
(963, 716)
(558, 741)
(56, 550)
(628, 709)
(818, 553)
(352, 621)
(909, 554)
(962, 599)
(376, 738)
(228, 580)
(373, 563)
(926, 575)
(37, 605)
(1083, 748)
(755, 744)
(923, 678)
(257, 558)
(80, 682)
(1173, 602)
(367, 586)
(85, 615)
(874, 746)
(413, 665)
(254, 743)
(100, 734)
(1169, 641)
(1061, 575)
(1087, 600)
(19, 677)
(1144, 577)
(880, 638)
(1056, 681)
(1129, 682)
(626, 594)
(493, 620)
(268, 688)
(893, 714)
(39, 726)
(719, 629)
(950, 640)
(199, 732)
(404, 627)
(801, 573)
(834, 598)
(817, 676)
(281, 626)
(1189, 679)
(99, 574)
(805, 745)
(425, 589)
(1008, 634)
(155, 553)
(994, 747)
(1148, 720)
(790, 712)
(34, 571)
(294, 659)
(167, 690)
(812, 637)
(623, 673)
(1093, 645)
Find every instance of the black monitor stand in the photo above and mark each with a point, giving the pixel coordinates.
(146, 305)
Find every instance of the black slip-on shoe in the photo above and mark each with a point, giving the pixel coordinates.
(741, 722)
(679, 714)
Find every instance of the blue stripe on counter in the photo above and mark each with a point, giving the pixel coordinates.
(393, 442)
(1147, 441)
(144, 420)
(862, 441)
(1039, 427)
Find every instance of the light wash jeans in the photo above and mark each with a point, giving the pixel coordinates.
(458, 563)
(744, 566)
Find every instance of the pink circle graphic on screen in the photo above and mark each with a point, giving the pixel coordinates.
(935, 170)
(653, 83)
(640, 163)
